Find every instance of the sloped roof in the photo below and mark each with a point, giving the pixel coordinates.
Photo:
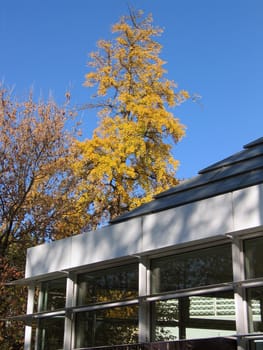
(242, 169)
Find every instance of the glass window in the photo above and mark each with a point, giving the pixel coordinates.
(118, 283)
(255, 309)
(199, 316)
(192, 269)
(53, 295)
(253, 257)
(256, 344)
(112, 326)
(51, 333)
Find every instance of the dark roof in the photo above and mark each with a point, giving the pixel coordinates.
(242, 169)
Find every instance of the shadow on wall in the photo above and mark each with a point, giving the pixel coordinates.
(48, 257)
(192, 222)
(208, 218)
(107, 243)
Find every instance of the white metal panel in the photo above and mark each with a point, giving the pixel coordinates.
(248, 207)
(108, 243)
(48, 257)
(200, 220)
(203, 219)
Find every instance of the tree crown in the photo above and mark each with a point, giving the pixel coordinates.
(129, 157)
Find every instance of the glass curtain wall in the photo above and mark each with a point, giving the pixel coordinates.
(191, 296)
(51, 333)
(118, 283)
(253, 249)
(50, 330)
(199, 314)
(110, 326)
(100, 323)
(53, 295)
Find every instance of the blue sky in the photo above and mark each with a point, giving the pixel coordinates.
(212, 48)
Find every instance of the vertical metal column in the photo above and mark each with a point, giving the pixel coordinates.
(29, 310)
(144, 317)
(69, 315)
(240, 299)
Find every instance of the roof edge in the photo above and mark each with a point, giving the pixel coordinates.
(254, 143)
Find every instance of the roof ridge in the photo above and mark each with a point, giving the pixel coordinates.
(248, 149)
(240, 170)
(212, 179)
(254, 143)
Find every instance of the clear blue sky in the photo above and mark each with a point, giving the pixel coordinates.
(213, 48)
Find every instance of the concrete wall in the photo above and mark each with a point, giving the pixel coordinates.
(202, 220)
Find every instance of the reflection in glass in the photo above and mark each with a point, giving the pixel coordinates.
(192, 269)
(253, 257)
(256, 344)
(53, 295)
(110, 326)
(208, 315)
(255, 309)
(165, 320)
(118, 283)
(51, 333)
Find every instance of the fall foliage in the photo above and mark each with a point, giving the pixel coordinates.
(36, 182)
(36, 186)
(128, 160)
(53, 186)
(12, 300)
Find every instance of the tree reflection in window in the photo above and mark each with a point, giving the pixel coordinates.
(51, 333)
(192, 269)
(111, 326)
(196, 316)
(255, 309)
(53, 295)
(253, 257)
(106, 285)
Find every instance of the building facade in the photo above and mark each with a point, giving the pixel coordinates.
(187, 265)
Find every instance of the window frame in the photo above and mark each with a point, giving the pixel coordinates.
(239, 285)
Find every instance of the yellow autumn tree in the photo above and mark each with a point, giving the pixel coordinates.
(128, 160)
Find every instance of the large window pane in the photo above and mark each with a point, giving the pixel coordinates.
(51, 333)
(255, 304)
(107, 285)
(208, 315)
(253, 257)
(53, 295)
(165, 320)
(111, 326)
(256, 344)
(192, 269)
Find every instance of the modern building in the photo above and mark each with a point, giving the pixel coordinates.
(188, 265)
